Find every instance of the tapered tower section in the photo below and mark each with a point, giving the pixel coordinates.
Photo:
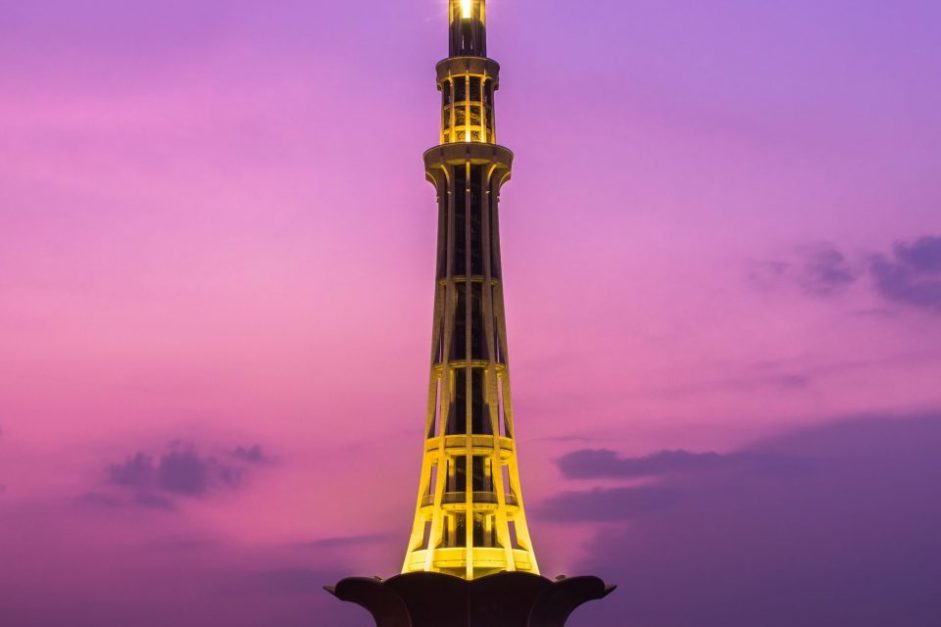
(469, 518)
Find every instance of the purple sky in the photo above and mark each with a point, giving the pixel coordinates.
(722, 239)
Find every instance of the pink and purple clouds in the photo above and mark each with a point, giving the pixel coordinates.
(723, 261)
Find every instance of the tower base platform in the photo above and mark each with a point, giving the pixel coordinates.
(509, 599)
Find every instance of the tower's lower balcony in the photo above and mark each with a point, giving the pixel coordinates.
(489, 559)
(481, 444)
(478, 499)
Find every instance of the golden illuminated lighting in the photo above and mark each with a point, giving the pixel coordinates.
(470, 520)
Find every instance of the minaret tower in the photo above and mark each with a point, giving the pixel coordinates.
(470, 560)
(469, 518)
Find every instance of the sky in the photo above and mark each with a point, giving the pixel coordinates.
(722, 257)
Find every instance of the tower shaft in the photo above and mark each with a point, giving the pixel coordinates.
(469, 520)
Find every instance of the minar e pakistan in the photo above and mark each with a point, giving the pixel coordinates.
(470, 559)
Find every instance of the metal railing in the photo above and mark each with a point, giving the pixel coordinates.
(452, 498)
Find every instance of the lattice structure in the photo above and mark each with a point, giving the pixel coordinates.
(469, 518)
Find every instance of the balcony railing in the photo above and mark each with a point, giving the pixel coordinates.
(453, 498)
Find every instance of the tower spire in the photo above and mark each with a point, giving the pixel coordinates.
(469, 518)
(468, 28)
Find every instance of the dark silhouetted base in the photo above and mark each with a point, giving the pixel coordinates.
(501, 600)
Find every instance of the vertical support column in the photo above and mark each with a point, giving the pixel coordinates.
(468, 370)
(444, 181)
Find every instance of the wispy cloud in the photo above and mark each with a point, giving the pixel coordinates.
(340, 542)
(254, 454)
(818, 270)
(182, 471)
(911, 275)
(154, 481)
(825, 270)
(598, 463)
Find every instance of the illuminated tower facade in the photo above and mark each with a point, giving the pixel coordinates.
(469, 518)
(470, 560)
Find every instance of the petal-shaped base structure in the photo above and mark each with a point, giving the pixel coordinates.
(511, 599)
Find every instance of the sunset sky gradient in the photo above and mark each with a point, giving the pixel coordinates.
(722, 252)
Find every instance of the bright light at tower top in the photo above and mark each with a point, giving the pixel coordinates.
(467, 9)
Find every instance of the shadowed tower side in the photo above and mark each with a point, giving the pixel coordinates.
(469, 518)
